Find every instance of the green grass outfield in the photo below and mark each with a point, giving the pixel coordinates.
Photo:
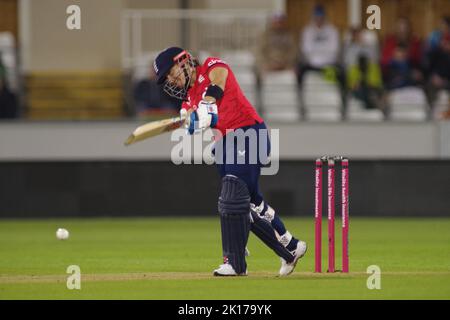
(173, 258)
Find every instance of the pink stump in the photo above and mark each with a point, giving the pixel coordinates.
(318, 217)
(331, 259)
(345, 217)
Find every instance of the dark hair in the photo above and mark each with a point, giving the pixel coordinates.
(402, 45)
(404, 19)
(319, 10)
(446, 20)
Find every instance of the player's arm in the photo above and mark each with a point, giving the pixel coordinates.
(218, 77)
(207, 114)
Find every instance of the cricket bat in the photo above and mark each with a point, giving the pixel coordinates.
(155, 128)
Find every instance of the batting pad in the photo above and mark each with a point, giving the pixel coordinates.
(266, 233)
(234, 208)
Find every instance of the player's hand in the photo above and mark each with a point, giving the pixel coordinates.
(207, 114)
(183, 113)
(204, 116)
(187, 115)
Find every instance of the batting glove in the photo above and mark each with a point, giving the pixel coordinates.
(183, 113)
(204, 116)
(189, 120)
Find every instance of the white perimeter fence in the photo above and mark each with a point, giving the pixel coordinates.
(145, 32)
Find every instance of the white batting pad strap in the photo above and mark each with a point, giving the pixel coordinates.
(257, 209)
(286, 238)
(251, 218)
(269, 214)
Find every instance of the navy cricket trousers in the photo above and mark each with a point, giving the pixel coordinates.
(244, 156)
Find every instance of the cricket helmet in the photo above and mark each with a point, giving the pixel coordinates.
(165, 60)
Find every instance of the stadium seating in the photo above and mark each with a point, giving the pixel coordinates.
(279, 94)
(408, 104)
(357, 112)
(321, 98)
(74, 95)
(441, 104)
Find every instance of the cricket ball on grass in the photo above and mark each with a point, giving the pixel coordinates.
(62, 234)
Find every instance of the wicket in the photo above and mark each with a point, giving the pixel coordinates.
(331, 161)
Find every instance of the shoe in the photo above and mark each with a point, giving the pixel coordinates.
(226, 270)
(287, 268)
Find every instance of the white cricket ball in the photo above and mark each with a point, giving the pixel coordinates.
(62, 234)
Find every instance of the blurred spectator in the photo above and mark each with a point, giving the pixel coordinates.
(319, 48)
(362, 68)
(401, 58)
(8, 100)
(435, 37)
(150, 99)
(439, 70)
(319, 44)
(276, 49)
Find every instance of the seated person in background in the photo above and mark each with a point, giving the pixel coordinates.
(399, 72)
(150, 99)
(401, 58)
(439, 70)
(276, 48)
(319, 47)
(362, 68)
(435, 37)
(276, 51)
(8, 100)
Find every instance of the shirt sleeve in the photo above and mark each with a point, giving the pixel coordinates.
(212, 63)
(185, 105)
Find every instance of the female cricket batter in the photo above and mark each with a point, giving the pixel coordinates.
(214, 99)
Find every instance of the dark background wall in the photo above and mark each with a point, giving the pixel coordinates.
(63, 189)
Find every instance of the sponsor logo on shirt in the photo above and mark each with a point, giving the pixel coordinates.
(214, 61)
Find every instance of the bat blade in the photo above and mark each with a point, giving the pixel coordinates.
(154, 128)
